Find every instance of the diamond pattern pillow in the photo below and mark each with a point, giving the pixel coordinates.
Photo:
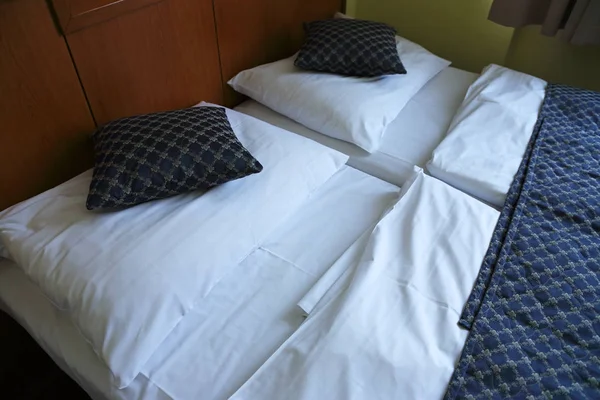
(350, 47)
(154, 156)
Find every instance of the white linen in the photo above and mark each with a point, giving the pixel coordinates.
(238, 333)
(252, 310)
(128, 277)
(408, 141)
(356, 110)
(393, 330)
(489, 134)
(55, 332)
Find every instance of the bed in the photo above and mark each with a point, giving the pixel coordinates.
(227, 342)
(139, 281)
(249, 310)
(527, 148)
(530, 149)
(136, 303)
(408, 141)
(245, 318)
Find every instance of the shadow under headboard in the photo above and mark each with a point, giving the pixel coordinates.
(67, 66)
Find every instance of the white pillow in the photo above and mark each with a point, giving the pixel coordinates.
(356, 110)
(127, 278)
(489, 134)
(339, 15)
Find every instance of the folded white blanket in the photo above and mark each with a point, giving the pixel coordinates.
(489, 134)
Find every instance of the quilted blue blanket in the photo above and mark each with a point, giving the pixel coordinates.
(534, 313)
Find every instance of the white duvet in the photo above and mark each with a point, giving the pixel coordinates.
(127, 278)
(382, 323)
(489, 134)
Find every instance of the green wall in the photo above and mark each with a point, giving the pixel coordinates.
(351, 6)
(554, 59)
(457, 30)
(460, 31)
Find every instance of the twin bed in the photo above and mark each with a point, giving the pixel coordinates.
(333, 273)
(247, 315)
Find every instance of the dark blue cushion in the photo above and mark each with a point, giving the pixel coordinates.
(154, 156)
(350, 47)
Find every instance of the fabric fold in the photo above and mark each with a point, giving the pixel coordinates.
(388, 323)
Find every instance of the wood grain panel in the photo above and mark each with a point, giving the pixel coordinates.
(44, 119)
(74, 15)
(262, 32)
(158, 58)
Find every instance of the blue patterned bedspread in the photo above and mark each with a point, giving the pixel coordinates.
(534, 314)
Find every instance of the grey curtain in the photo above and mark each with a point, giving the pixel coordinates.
(577, 21)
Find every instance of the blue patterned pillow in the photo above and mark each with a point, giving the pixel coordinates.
(154, 156)
(350, 47)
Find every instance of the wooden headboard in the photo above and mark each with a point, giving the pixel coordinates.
(262, 32)
(67, 66)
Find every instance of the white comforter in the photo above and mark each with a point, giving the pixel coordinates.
(382, 323)
(127, 278)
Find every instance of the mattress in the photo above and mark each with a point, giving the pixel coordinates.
(410, 139)
(245, 318)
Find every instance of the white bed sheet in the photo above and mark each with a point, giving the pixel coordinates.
(223, 341)
(409, 140)
(387, 328)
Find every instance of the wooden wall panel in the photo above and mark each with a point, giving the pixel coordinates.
(129, 57)
(160, 57)
(261, 32)
(44, 119)
(74, 15)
